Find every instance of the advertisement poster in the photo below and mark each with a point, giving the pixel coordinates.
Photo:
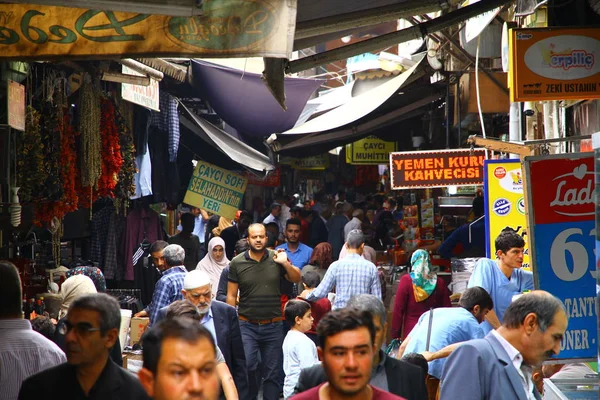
(216, 190)
(234, 28)
(437, 168)
(554, 64)
(561, 190)
(505, 204)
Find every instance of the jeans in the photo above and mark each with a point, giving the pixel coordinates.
(266, 339)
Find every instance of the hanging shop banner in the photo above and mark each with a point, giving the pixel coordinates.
(554, 64)
(561, 192)
(16, 105)
(440, 168)
(505, 203)
(145, 96)
(273, 180)
(234, 28)
(310, 163)
(369, 151)
(216, 190)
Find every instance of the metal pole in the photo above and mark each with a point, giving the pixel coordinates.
(390, 39)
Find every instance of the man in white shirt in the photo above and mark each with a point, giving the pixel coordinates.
(501, 364)
(23, 352)
(274, 218)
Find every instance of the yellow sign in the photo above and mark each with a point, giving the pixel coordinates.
(308, 163)
(369, 151)
(505, 203)
(554, 64)
(240, 28)
(216, 190)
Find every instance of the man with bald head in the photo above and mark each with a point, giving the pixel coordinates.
(256, 273)
(501, 364)
(23, 352)
(221, 320)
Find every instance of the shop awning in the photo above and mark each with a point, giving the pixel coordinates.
(243, 100)
(233, 148)
(318, 143)
(356, 107)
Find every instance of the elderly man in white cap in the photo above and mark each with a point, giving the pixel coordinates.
(222, 321)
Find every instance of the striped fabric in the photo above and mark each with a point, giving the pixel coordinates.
(23, 352)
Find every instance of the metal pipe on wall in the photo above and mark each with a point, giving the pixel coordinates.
(514, 125)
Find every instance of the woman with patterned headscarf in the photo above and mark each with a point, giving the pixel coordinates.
(320, 260)
(418, 292)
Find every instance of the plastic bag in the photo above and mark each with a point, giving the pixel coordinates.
(393, 347)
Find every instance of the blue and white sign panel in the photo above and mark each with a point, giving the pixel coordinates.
(563, 240)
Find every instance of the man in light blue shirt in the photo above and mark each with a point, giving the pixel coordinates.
(298, 253)
(353, 275)
(449, 325)
(503, 277)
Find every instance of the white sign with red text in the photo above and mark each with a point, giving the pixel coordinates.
(145, 96)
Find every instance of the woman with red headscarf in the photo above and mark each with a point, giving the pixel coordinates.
(320, 260)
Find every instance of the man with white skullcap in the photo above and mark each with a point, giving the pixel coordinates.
(222, 321)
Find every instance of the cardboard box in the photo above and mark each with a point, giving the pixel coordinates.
(137, 328)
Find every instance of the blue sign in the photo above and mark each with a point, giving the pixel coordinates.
(565, 263)
(563, 240)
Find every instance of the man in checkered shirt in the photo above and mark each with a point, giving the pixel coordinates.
(169, 286)
(353, 275)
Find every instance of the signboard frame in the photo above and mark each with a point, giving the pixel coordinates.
(233, 28)
(145, 96)
(462, 152)
(211, 179)
(491, 236)
(527, 84)
(533, 253)
(390, 147)
(15, 108)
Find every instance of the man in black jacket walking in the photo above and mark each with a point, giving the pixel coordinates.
(91, 329)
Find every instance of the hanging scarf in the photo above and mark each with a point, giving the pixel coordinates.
(73, 288)
(213, 268)
(423, 279)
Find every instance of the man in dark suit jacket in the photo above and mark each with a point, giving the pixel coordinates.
(403, 379)
(91, 330)
(501, 364)
(197, 290)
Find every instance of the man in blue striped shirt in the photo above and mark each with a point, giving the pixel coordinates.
(353, 275)
(23, 352)
(169, 286)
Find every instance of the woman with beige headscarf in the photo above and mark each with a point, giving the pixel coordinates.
(214, 262)
(71, 289)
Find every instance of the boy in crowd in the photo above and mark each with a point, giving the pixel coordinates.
(298, 350)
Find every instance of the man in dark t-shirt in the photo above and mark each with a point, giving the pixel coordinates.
(256, 273)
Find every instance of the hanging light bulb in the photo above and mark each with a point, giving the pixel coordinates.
(15, 207)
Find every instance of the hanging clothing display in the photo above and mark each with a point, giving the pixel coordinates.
(168, 120)
(100, 228)
(165, 174)
(142, 224)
